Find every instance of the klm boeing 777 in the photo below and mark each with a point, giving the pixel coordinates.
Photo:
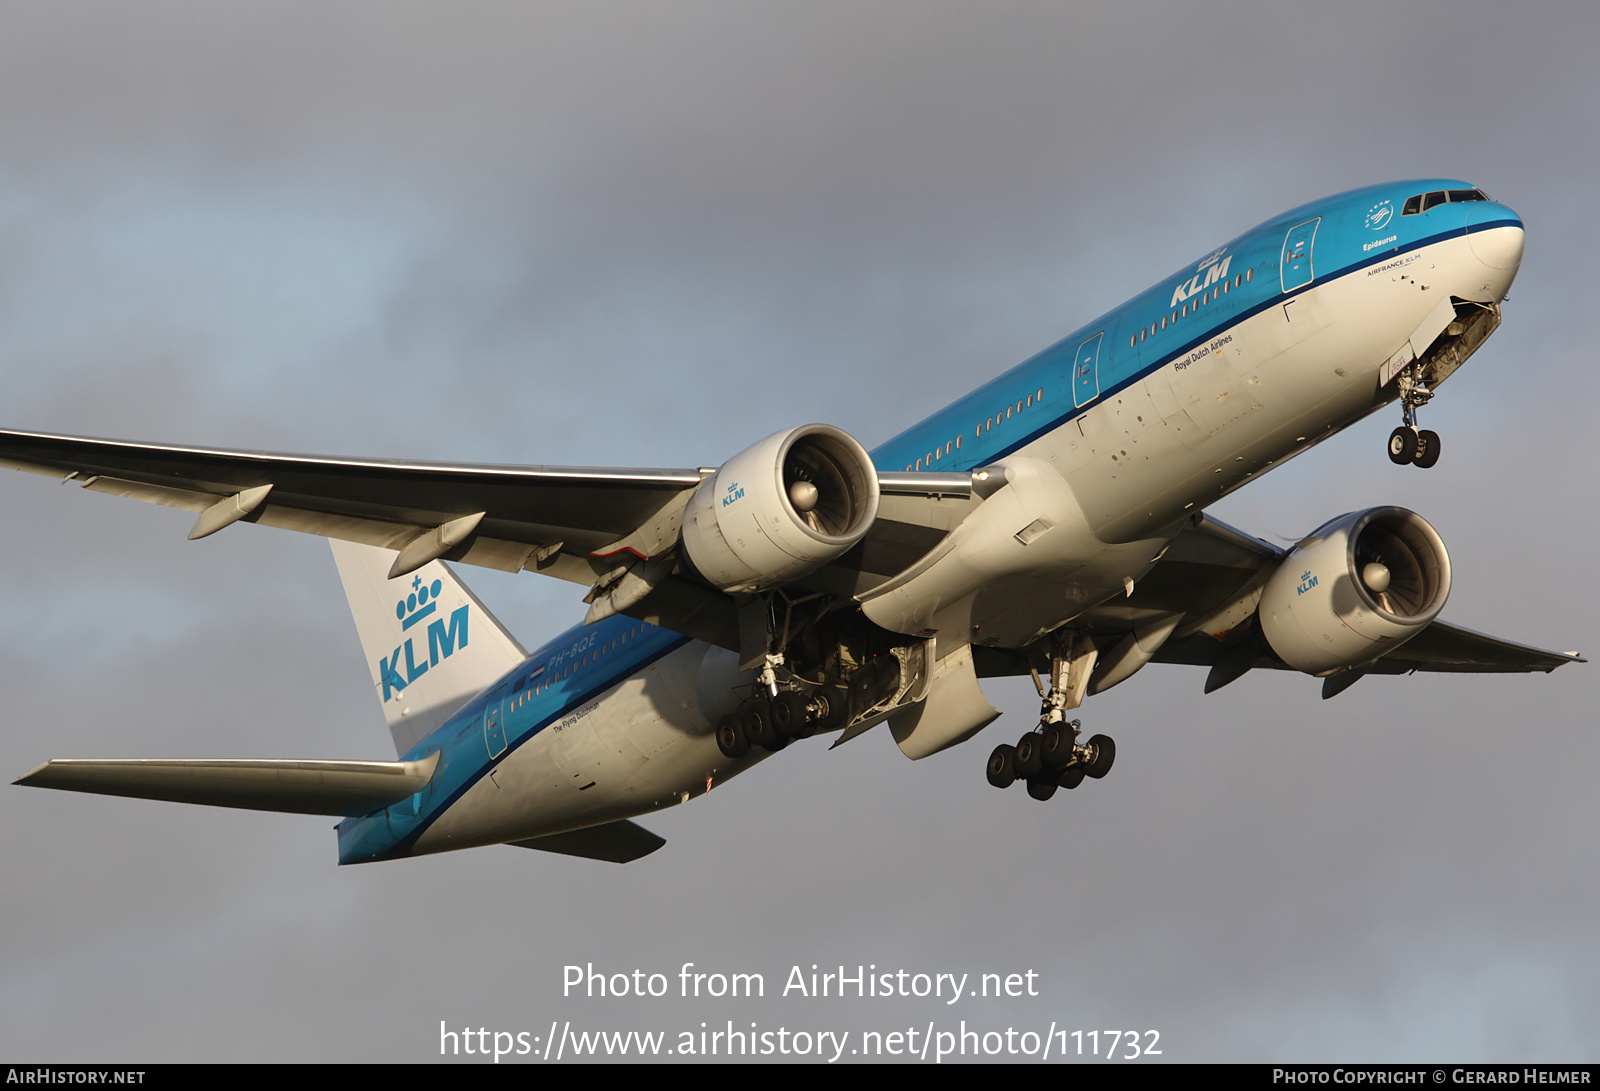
(1051, 523)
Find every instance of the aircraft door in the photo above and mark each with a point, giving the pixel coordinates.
(1086, 371)
(494, 726)
(1294, 269)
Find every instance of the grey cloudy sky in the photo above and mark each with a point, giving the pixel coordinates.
(648, 234)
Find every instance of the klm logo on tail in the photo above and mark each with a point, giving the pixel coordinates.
(443, 638)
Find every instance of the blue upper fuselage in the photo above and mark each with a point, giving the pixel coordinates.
(1282, 257)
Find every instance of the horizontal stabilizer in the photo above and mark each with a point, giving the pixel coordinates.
(298, 787)
(618, 842)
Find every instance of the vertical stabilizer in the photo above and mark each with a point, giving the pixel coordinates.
(430, 644)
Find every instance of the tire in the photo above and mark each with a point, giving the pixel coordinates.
(1105, 752)
(790, 715)
(833, 708)
(1030, 758)
(1403, 445)
(731, 738)
(1427, 448)
(1071, 776)
(1041, 788)
(1002, 770)
(1055, 745)
(759, 727)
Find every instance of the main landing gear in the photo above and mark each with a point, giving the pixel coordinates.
(1407, 443)
(784, 705)
(1052, 757)
(772, 721)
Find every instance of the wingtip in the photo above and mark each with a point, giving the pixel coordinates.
(26, 779)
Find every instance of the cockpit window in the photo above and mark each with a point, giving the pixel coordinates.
(1421, 202)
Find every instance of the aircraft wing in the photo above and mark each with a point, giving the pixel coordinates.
(524, 509)
(1212, 576)
(567, 522)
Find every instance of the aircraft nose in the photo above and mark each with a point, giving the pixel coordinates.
(1498, 247)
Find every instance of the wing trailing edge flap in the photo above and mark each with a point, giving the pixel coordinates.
(296, 787)
(615, 842)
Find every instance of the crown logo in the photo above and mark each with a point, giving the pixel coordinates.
(419, 604)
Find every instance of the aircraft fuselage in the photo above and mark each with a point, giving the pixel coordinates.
(1218, 373)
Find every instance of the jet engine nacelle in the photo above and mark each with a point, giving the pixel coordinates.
(1358, 587)
(780, 509)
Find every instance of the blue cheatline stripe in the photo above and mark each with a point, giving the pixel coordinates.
(404, 844)
(1051, 424)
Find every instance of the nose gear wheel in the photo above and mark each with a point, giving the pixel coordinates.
(1408, 444)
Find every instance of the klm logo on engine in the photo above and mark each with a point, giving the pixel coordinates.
(735, 492)
(1307, 582)
(1209, 272)
(443, 637)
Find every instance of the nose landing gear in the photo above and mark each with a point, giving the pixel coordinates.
(1407, 443)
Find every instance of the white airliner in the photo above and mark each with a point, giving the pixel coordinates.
(1048, 523)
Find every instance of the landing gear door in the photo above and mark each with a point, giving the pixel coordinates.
(1294, 270)
(1086, 371)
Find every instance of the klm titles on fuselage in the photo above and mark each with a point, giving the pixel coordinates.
(443, 637)
(1209, 272)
